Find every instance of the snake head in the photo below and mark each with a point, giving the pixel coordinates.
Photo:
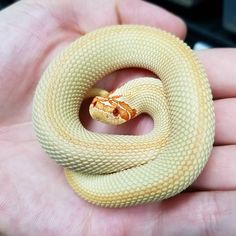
(111, 110)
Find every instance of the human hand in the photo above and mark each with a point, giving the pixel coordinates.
(35, 199)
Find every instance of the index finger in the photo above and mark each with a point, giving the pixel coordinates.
(141, 12)
(221, 71)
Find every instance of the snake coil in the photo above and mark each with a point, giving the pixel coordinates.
(118, 170)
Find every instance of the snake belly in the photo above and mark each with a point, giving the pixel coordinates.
(119, 170)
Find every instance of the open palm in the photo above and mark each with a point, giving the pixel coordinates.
(35, 199)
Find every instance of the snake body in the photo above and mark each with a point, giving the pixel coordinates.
(119, 170)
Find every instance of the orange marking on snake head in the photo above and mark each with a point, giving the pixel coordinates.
(130, 111)
(111, 109)
(94, 102)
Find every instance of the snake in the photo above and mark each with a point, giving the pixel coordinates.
(113, 170)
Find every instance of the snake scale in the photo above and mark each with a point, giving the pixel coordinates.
(126, 170)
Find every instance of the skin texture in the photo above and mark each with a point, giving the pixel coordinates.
(34, 196)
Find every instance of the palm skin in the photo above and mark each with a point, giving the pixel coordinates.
(35, 198)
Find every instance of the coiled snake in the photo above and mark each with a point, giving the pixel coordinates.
(119, 170)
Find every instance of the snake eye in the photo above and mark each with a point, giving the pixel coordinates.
(115, 112)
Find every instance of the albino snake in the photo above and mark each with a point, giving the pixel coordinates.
(126, 170)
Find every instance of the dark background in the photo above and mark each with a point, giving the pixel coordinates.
(211, 23)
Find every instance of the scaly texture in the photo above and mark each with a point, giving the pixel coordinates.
(118, 170)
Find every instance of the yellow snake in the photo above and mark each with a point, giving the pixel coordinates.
(125, 170)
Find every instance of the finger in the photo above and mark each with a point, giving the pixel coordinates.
(220, 171)
(118, 78)
(220, 68)
(141, 12)
(97, 14)
(225, 112)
